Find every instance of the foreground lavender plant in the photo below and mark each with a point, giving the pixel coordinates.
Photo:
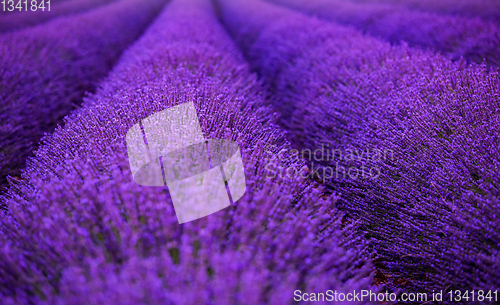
(433, 213)
(46, 70)
(474, 39)
(17, 20)
(80, 231)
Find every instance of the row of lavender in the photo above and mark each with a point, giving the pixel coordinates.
(474, 39)
(80, 231)
(46, 70)
(16, 19)
(486, 9)
(432, 210)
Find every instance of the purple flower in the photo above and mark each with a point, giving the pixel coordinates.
(79, 230)
(46, 70)
(471, 38)
(438, 121)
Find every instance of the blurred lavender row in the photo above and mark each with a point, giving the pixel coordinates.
(46, 70)
(433, 213)
(472, 38)
(17, 20)
(486, 9)
(79, 230)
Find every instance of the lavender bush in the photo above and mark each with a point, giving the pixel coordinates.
(433, 212)
(80, 231)
(474, 39)
(77, 229)
(486, 9)
(18, 20)
(46, 70)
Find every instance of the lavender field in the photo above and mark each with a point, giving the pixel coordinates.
(368, 132)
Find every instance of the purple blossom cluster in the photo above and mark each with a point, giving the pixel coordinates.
(46, 70)
(301, 96)
(17, 20)
(433, 215)
(79, 230)
(471, 38)
(486, 9)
